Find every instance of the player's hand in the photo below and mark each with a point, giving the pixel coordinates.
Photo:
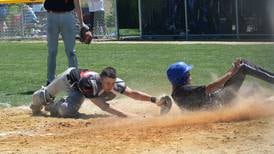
(237, 62)
(236, 65)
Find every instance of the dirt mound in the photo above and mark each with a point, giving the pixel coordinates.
(244, 127)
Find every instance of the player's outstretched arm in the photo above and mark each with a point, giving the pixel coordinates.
(106, 107)
(219, 83)
(138, 95)
(163, 102)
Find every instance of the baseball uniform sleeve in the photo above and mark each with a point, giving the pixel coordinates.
(120, 86)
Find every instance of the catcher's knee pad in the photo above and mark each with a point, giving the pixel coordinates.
(37, 102)
(41, 97)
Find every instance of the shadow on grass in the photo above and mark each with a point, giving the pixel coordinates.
(30, 92)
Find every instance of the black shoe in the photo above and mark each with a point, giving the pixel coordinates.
(36, 110)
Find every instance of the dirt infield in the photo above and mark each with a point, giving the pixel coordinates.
(245, 127)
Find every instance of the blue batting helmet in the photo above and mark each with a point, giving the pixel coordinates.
(177, 73)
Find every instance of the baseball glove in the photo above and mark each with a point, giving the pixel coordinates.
(85, 35)
(165, 104)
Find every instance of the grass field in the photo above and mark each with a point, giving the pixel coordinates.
(142, 66)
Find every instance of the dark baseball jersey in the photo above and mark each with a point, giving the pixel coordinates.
(195, 97)
(189, 97)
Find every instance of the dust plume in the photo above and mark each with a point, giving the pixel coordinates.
(247, 106)
(253, 102)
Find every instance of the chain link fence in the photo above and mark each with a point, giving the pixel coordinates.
(101, 22)
(29, 21)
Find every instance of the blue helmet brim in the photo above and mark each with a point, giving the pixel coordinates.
(189, 67)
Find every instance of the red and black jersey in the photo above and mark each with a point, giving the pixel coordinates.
(89, 82)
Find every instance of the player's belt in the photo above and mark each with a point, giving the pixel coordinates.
(50, 11)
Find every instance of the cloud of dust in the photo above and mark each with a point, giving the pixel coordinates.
(253, 102)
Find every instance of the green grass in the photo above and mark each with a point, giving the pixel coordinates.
(142, 66)
(129, 32)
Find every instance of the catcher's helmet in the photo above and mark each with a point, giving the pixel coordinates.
(177, 73)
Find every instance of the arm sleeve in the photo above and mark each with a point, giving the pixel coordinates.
(74, 76)
(120, 86)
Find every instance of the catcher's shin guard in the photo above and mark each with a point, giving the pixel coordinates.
(40, 98)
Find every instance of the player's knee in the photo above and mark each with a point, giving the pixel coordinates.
(67, 112)
(37, 102)
(63, 110)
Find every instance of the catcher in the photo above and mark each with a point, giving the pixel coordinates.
(83, 83)
(217, 93)
(85, 35)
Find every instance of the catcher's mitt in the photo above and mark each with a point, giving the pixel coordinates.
(85, 35)
(165, 103)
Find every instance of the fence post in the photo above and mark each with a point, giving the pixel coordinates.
(186, 20)
(140, 18)
(22, 21)
(237, 19)
(116, 21)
